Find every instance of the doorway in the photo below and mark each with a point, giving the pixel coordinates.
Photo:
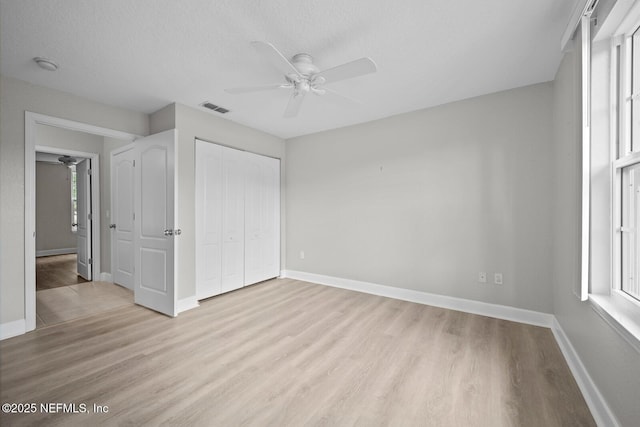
(63, 239)
(88, 251)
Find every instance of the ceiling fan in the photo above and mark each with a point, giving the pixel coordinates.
(302, 76)
(67, 160)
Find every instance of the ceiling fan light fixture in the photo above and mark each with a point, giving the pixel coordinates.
(67, 160)
(45, 63)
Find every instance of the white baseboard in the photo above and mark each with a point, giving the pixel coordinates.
(460, 304)
(185, 304)
(106, 277)
(12, 329)
(61, 251)
(599, 409)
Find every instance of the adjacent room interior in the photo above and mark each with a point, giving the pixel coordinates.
(295, 213)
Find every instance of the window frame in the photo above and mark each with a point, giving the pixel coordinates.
(619, 309)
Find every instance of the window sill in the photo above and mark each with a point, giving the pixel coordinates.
(621, 314)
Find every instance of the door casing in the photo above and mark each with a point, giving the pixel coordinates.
(30, 123)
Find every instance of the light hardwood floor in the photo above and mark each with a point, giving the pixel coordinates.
(57, 270)
(66, 303)
(290, 353)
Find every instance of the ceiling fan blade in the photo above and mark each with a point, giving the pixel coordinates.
(345, 97)
(248, 89)
(293, 107)
(352, 69)
(276, 58)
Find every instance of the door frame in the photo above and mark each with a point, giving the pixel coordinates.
(31, 120)
(112, 236)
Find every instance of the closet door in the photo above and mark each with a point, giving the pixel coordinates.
(233, 171)
(262, 218)
(208, 219)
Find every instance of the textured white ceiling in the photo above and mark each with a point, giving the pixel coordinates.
(145, 54)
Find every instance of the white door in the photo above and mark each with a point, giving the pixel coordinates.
(262, 218)
(208, 219)
(83, 230)
(122, 201)
(155, 228)
(232, 219)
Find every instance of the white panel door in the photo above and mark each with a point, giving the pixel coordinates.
(122, 217)
(155, 222)
(83, 230)
(208, 219)
(262, 218)
(232, 275)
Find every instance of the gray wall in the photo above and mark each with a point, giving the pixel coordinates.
(17, 96)
(53, 207)
(426, 200)
(612, 363)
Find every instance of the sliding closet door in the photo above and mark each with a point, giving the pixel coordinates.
(232, 219)
(208, 219)
(262, 218)
(237, 219)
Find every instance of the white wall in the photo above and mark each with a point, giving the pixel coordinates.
(611, 362)
(16, 97)
(191, 124)
(426, 200)
(53, 207)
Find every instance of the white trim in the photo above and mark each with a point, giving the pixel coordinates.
(612, 310)
(185, 304)
(61, 251)
(460, 304)
(30, 122)
(597, 404)
(585, 240)
(106, 277)
(12, 329)
(582, 8)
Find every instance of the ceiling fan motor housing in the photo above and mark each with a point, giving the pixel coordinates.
(304, 64)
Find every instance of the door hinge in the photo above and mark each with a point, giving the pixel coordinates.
(90, 261)
(90, 217)
(89, 171)
(134, 216)
(134, 163)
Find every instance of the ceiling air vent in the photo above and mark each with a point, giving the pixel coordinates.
(214, 107)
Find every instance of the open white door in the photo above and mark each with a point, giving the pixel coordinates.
(83, 230)
(155, 222)
(122, 201)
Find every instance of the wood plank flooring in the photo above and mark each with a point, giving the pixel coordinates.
(56, 271)
(290, 353)
(71, 302)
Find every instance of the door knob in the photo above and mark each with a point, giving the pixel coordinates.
(177, 232)
(112, 226)
(168, 232)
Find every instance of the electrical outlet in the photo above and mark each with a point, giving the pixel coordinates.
(482, 277)
(301, 254)
(497, 278)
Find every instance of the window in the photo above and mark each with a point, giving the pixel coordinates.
(614, 284)
(627, 164)
(74, 198)
(630, 241)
